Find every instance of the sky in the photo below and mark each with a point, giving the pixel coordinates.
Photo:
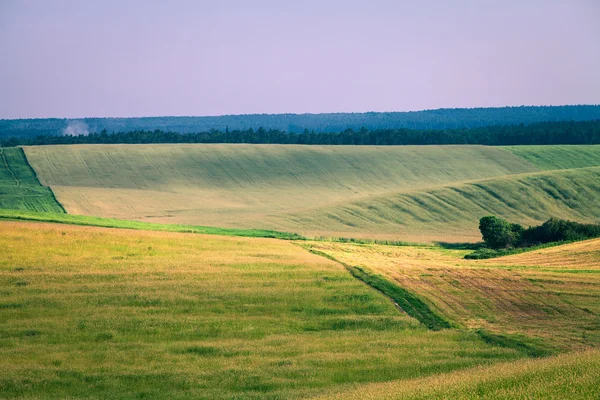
(69, 58)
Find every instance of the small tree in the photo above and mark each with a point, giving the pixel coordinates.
(498, 233)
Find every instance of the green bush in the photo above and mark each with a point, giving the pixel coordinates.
(503, 238)
(498, 233)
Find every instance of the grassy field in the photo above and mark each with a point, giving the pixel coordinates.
(114, 313)
(451, 213)
(166, 306)
(62, 218)
(250, 186)
(547, 299)
(19, 186)
(572, 376)
(559, 157)
(412, 193)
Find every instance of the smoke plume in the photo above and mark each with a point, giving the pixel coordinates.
(76, 128)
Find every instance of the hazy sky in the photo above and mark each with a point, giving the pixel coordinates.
(141, 57)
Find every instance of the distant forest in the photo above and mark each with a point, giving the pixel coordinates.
(441, 119)
(572, 132)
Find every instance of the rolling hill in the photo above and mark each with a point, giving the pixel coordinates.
(416, 193)
(249, 186)
(19, 186)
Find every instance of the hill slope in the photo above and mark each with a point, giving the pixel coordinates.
(413, 193)
(248, 186)
(452, 212)
(19, 186)
(559, 157)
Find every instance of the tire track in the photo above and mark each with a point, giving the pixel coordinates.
(10, 171)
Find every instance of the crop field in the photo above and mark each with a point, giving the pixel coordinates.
(559, 157)
(452, 213)
(96, 312)
(222, 272)
(572, 376)
(547, 300)
(20, 188)
(412, 193)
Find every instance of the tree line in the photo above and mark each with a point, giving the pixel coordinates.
(503, 238)
(565, 132)
(440, 119)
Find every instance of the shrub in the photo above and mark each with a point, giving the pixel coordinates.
(498, 233)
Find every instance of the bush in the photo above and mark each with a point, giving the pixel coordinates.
(558, 230)
(498, 233)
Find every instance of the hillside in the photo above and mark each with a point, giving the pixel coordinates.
(452, 212)
(249, 186)
(427, 119)
(415, 193)
(19, 186)
(558, 157)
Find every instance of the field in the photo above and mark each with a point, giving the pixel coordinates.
(111, 313)
(572, 376)
(20, 188)
(222, 272)
(546, 300)
(413, 193)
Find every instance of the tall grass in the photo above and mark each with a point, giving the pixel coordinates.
(88, 312)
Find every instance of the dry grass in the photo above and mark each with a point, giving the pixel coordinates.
(535, 294)
(572, 376)
(113, 313)
(584, 255)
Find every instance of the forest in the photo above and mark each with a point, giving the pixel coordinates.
(569, 132)
(439, 119)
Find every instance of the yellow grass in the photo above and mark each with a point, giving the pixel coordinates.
(572, 376)
(90, 312)
(552, 295)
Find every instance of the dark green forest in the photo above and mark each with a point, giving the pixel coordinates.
(582, 132)
(440, 119)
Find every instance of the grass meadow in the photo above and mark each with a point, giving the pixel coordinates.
(409, 193)
(173, 276)
(114, 313)
(571, 376)
(62, 218)
(546, 300)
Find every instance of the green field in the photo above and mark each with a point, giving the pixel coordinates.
(112, 313)
(452, 213)
(173, 276)
(412, 193)
(62, 218)
(19, 186)
(559, 157)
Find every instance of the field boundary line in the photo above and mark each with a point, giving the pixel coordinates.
(35, 175)
(403, 299)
